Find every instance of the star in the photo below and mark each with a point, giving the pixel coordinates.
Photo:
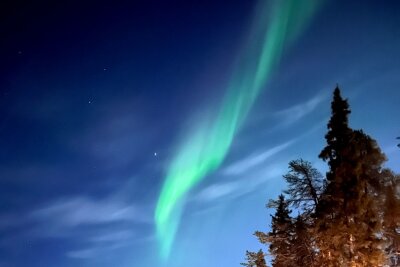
(155, 154)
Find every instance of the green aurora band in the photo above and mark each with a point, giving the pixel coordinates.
(204, 150)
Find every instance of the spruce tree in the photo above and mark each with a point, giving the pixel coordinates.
(347, 217)
(280, 236)
(255, 259)
(391, 216)
(338, 133)
(302, 244)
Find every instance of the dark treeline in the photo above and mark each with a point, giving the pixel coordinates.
(346, 218)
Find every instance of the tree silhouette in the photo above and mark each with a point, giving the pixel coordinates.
(305, 185)
(351, 217)
(303, 244)
(255, 259)
(391, 215)
(348, 221)
(338, 133)
(279, 238)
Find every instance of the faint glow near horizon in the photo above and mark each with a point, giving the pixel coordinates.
(204, 149)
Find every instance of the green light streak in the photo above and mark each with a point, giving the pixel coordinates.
(205, 148)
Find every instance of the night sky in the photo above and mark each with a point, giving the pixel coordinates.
(100, 99)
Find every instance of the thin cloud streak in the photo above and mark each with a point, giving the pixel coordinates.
(288, 116)
(82, 254)
(256, 159)
(295, 113)
(91, 224)
(253, 180)
(217, 190)
(251, 172)
(84, 211)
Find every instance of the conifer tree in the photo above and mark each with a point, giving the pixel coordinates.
(338, 133)
(280, 236)
(348, 221)
(302, 244)
(351, 218)
(305, 185)
(255, 259)
(391, 216)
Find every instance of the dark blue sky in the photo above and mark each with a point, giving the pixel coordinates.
(89, 92)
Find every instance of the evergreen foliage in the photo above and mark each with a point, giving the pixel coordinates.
(391, 215)
(338, 133)
(255, 259)
(280, 235)
(349, 218)
(304, 185)
(303, 244)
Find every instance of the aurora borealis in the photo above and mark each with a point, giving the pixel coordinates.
(204, 150)
(152, 133)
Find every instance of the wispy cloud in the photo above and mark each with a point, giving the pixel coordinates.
(104, 244)
(79, 211)
(255, 170)
(102, 247)
(248, 174)
(82, 254)
(115, 236)
(245, 185)
(95, 226)
(217, 190)
(295, 113)
(255, 159)
(286, 117)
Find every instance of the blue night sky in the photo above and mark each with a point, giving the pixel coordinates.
(96, 98)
